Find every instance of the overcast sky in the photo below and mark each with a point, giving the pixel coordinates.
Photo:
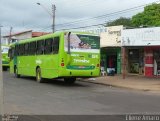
(27, 15)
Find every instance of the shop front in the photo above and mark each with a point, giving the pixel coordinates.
(143, 50)
(111, 49)
(111, 58)
(135, 61)
(152, 61)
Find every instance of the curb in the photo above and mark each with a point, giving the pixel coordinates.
(144, 90)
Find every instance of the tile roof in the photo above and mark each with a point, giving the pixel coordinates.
(37, 34)
(34, 34)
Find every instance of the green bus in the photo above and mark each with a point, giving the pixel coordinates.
(5, 58)
(67, 55)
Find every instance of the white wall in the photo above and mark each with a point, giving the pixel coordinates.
(24, 36)
(21, 36)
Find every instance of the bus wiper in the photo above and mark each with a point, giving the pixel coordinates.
(69, 51)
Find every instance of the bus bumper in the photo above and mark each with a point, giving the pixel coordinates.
(79, 73)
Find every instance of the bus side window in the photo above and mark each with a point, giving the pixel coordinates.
(16, 51)
(55, 45)
(40, 47)
(32, 48)
(48, 46)
(26, 48)
(10, 53)
(21, 49)
(19, 52)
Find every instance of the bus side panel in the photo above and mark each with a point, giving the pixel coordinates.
(26, 65)
(48, 65)
(11, 64)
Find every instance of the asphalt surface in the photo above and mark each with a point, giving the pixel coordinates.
(25, 96)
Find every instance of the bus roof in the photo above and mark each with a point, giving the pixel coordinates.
(50, 35)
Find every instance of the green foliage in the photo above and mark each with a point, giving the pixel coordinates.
(149, 17)
(120, 21)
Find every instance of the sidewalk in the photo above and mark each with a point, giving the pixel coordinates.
(131, 81)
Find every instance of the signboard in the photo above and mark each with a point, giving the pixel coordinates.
(141, 37)
(95, 30)
(111, 38)
(82, 43)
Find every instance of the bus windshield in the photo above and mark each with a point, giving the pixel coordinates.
(5, 49)
(83, 43)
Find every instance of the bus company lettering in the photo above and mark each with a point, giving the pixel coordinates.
(81, 61)
(75, 55)
(38, 61)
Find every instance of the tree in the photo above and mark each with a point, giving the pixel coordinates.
(149, 17)
(120, 21)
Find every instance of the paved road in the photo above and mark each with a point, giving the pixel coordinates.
(26, 96)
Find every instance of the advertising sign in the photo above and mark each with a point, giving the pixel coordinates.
(141, 37)
(83, 43)
(111, 38)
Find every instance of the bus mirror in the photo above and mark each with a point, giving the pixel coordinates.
(69, 42)
(68, 59)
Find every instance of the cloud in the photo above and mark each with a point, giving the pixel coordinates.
(27, 14)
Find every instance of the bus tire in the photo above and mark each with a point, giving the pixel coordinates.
(69, 80)
(4, 68)
(16, 72)
(39, 78)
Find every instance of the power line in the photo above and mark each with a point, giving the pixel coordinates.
(102, 16)
(99, 17)
(83, 26)
(106, 15)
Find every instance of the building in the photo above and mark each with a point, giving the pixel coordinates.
(142, 51)
(95, 30)
(21, 35)
(110, 42)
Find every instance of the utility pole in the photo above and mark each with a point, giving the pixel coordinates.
(54, 12)
(1, 79)
(51, 14)
(10, 35)
(124, 62)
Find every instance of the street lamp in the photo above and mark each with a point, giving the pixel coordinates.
(1, 78)
(51, 14)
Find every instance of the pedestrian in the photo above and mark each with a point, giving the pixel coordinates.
(102, 67)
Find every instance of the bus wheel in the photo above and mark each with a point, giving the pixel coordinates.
(38, 75)
(69, 80)
(16, 72)
(4, 68)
